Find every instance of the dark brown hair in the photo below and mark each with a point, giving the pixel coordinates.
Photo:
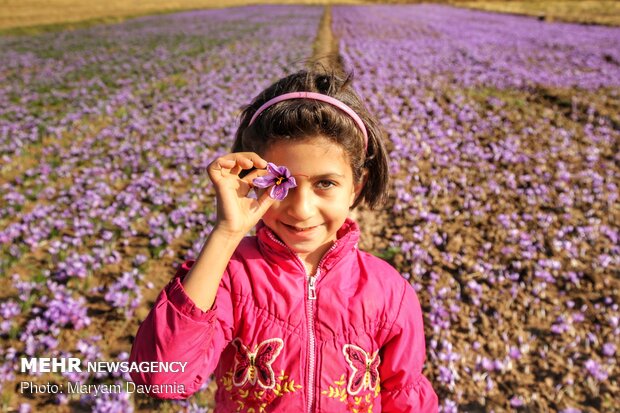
(300, 119)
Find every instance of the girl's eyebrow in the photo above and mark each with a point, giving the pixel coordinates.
(322, 176)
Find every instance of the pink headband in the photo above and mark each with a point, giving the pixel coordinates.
(315, 96)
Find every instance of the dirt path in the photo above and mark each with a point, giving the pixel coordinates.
(373, 224)
(325, 48)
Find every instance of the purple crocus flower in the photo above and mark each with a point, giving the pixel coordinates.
(278, 178)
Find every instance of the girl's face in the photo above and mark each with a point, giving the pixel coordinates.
(309, 217)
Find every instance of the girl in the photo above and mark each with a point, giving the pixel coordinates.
(295, 318)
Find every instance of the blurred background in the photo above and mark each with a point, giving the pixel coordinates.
(502, 121)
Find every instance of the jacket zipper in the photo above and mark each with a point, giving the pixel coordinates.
(311, 339)
(310, 315)
(311, 335)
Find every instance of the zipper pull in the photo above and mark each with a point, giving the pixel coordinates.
(311, 288)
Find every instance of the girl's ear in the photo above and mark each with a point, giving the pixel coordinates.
(357, 187)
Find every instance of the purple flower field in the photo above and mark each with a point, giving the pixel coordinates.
(505, 134)
(504, 214)
(105, 136)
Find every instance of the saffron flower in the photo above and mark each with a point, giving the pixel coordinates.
(278, 178)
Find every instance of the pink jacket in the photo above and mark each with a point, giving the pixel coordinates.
(350, 339)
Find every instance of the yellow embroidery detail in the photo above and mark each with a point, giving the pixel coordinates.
(356, 404)
(251, 400)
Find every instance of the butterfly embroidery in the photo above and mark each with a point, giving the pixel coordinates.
(255, 366)
(365, 369)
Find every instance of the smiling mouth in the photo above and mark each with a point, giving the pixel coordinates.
(299, 229)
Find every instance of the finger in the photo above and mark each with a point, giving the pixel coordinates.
(236, 169)
(243, 161)
(264, 203)
(234, 163)
(222, 163)
(221, 166)
(254, 160)
(253, 175)
(244, 188)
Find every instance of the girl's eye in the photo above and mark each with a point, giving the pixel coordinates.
(325, 184)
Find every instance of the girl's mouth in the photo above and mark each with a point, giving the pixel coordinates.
(299, 229)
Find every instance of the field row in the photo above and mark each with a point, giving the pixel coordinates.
(105, 139)
(505, 134)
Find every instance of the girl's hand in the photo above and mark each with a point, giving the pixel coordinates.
(236, 213)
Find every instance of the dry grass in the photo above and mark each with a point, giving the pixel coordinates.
(588, 11)
(32, 16)
(28, 16)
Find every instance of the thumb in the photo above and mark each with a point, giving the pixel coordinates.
(264, 203)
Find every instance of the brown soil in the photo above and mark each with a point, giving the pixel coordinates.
(372, 223)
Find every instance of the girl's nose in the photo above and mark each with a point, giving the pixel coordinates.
(301, 203)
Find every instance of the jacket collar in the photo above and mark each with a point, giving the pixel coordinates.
(276, 252)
